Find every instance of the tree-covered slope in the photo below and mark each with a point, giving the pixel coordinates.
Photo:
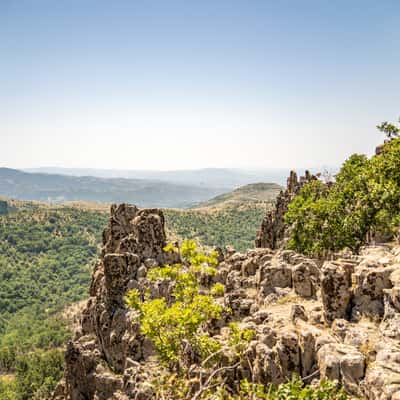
(252, 193)
(46, 256)
(234, 225)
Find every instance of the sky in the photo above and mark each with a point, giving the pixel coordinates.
(167, 84)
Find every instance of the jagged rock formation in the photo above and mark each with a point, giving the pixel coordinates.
(273, 231)
(339, 319)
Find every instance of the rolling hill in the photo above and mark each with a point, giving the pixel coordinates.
(252, 193)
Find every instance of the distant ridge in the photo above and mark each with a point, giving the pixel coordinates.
(254, 192)
(228, 178)
(58, 188)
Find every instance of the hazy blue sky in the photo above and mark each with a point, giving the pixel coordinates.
(187, 84)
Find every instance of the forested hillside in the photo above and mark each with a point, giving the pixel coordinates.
(234, 225)
(46, 257)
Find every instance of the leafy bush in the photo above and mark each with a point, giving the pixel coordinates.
(175, 325)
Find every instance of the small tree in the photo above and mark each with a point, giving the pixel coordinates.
(390, 130)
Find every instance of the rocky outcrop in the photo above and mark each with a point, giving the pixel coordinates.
(109, 341)
(338, 320)
(273, 231)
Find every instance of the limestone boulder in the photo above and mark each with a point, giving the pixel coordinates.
(382, 380)
(342, 363)
(336, 291)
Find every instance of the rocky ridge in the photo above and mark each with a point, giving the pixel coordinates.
(273, 232)
(338, 319)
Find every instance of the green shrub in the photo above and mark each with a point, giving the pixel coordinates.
(174, 326)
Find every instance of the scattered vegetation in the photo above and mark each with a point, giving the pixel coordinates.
(38, 373)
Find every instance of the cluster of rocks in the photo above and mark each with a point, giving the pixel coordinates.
(273, 231)
(337, 319)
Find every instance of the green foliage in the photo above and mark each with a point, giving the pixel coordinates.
(7, 388)
(390, 130)
(37, 374)
(231, 225)
(45, 256)
(170, 248)
(172, 326)
(363, 200)
(45, 262)
(292, 390)
(30, 329)
(295, 390)
(217, 289)
(239, 339)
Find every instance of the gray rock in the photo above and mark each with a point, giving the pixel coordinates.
(335, 291)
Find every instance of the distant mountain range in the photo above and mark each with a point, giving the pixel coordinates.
(61, 188)
(177, 189)
(227, 178)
